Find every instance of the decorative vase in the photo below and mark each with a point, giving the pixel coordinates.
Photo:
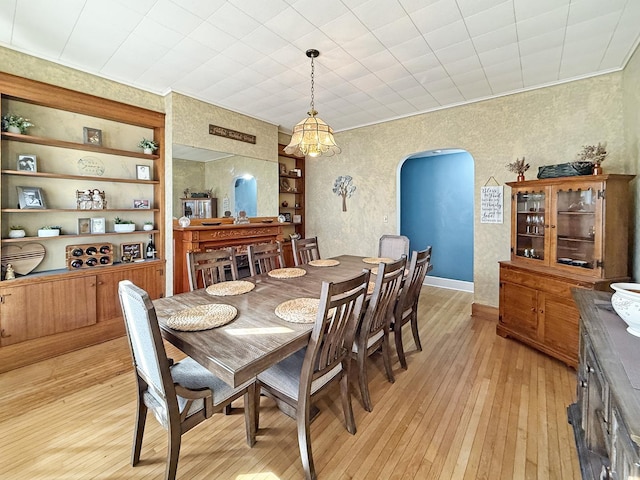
(148, 151)
(520, 177)
(13, 129)
(597, 169)
(147, 227)
(17, 233)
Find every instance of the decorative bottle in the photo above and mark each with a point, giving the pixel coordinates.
(151, 248)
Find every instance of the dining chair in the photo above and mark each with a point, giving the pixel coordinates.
(265, 257)
(305, 250)
(406, 308)
(373, 332)
(299, 378)
(393, 246)
(209, 267)
(181, 395)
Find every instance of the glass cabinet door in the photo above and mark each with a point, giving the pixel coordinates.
(530, 225)
(576, 220)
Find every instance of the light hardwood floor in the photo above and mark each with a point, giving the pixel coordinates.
(471, 405)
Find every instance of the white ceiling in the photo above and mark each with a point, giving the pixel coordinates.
(379, 59)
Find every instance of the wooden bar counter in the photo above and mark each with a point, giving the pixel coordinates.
(213, 233)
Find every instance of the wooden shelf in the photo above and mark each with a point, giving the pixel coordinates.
(75, 210)
(17, 137)
(87, 235)
(62, 176)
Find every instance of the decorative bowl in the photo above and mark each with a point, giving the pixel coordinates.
(124, 227)
(48, 232)
(626, 303)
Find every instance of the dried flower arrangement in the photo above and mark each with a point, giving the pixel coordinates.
(593, 153)
(519, 166)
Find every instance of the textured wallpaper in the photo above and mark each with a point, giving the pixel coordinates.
(547, 126)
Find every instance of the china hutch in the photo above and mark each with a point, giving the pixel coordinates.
(51, 307)
(566, 232)
(291, 198)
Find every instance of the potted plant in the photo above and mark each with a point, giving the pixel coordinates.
(15, 124)
(123, 226)
(148, 146)
(519, 167)
(148, 226)
(49, 231)
(594, 154)
(17, 231)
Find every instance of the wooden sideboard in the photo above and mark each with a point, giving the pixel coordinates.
(606, 415)
(199, 236)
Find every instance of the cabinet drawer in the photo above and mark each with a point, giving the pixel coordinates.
(625, 461)
(544, 284)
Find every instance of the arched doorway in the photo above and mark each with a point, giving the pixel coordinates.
(436, 208)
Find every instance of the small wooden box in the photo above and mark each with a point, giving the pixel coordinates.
(89, 255)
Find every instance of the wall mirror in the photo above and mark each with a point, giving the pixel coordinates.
(236, 181)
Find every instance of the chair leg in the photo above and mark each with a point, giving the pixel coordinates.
(414, 329)
(304, 438)
(141, 418)
(386, 356)
(397, 333)
(250, 414)
(346, 403)
(173, 452)
(363, 380)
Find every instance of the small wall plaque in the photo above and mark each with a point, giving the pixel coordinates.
(232, 134)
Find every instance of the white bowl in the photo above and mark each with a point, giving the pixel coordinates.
(124, 227)
(626, 303)
(49, 232)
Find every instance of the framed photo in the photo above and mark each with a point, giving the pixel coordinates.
(141, 203)
(92, 136)
(133, 250)
(297, 219)
(143, 172)
(98, 225)
(27, 163)
(92, 199)
(283, 168)
(84, 226)
(31, 197)
(287, 217)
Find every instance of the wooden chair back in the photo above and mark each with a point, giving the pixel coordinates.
(211, 266)
(393, 246)
(265, 257)
(305, 250)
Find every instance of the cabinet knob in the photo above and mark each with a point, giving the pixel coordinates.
(553, 226)
(584, 384)
(590, 369)
(533, 309)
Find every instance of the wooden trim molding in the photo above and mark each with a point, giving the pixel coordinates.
(484, 312)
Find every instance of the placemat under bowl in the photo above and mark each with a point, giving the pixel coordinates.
(233, 287)
(376, 260)
(329, 262)
(287, 272)
(202, 317)
(299, 310)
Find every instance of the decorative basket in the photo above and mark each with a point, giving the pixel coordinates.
(565, 170)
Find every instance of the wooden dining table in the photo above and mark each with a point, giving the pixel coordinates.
(256, 339)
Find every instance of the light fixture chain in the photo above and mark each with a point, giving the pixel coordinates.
(312, 83)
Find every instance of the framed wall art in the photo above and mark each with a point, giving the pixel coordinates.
(132, 250)
(98, 225)
(31, 197)
(141, 203)
(84, 226)
(143, 172)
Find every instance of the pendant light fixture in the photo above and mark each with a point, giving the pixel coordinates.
(312, 136)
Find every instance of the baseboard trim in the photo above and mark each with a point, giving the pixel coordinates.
(448, 283)
(485, 312)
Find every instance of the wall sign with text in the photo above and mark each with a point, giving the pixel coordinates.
(491, 204)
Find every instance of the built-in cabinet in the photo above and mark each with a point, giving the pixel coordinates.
(87, 172)
(606, 415)
(291, 198)
(566, 233)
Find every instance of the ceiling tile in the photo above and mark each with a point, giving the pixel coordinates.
(485, 21)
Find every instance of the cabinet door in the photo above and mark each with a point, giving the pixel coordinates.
(559, 320)
(530, 223)
(150, 278)
(576, 240)
(37, 310)
(518, 309)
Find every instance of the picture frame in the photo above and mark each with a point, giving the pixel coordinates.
(142, 203)
(133, 249)
(84, 226)
(31, 198)
(287, 217)
(143, 172)
(284, 185)
(91, 199)
(98, 225)
(92, 136)
(297, 218)
(283, 168)
(27, 163)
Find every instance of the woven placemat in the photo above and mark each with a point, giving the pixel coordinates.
(233, 287)
(202, 317)
(330, 262)
(299, 310)
(376, 260)
(287, 272)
